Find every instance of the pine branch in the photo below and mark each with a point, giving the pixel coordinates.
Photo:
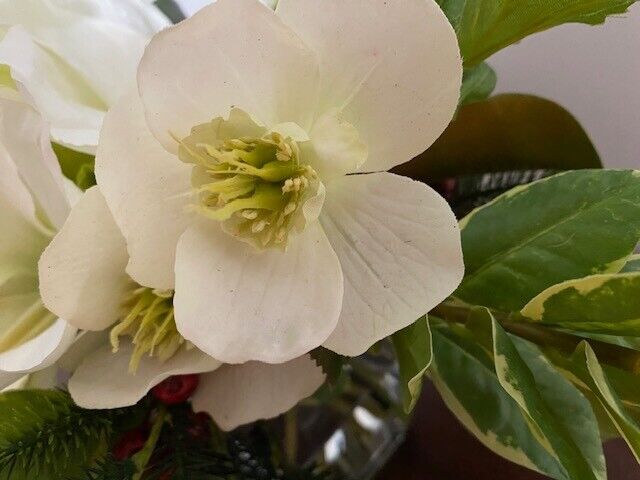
(44, 435)
(110, 469)
(185, 457)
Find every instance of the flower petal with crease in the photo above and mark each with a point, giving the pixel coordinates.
(235, 395)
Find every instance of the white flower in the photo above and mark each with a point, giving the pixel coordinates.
(76, 58)
(271, 242)
(33, 204)
(89, 286)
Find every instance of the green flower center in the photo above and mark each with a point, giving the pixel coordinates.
(151, 325)
(256, 186)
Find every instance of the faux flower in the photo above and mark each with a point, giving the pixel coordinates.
(131, 344)
(247, 173)
(76, 58)
(34, 203)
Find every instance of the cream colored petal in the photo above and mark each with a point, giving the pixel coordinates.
(392, 66)
(22, 233)
(41, 351)
(239, 304)
(102, 41)
(7, 379)
(82, 271)
(59, 94)
(230, 53)
(103, 380)
(399, 246)
(147, 190)
(335, 148)
(24, 138)
(235, 395)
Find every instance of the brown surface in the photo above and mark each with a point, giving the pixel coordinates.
(439, 448)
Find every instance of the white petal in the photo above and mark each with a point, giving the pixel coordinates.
(24, 137)
(41, 351)
(23, 238)
(101, 40)
(60, 95)
(399, 246)
(103, 380)
(239, 304)
(82, 271)
(7, 379)
(236, 395)
(146, 189)
(393, 66)
(231, 53)
(335, 148)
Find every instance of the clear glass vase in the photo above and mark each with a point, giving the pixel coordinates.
(348, 431)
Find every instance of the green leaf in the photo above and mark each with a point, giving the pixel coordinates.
(414, 351)
(505, 133)
(487, 26)
(44, 435)
(550, 426)
(533, 237)
(478, 83)
(330, 362)
(171, 9)
(591, 372)
(563, 397)
(632, 265)
(76, 166)
(607, 304)
(465, 376)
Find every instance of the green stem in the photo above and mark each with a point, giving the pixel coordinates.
(291, 437)
(141, 459)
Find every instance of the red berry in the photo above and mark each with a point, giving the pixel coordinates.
(176, 389)
(130, 443)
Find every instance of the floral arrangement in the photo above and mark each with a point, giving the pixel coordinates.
(205, 224)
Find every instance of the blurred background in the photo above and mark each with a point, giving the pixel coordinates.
(591, 71)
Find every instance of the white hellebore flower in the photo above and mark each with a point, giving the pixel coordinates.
(33, 205)
(83, 278)
(248, 173)
(75, 57)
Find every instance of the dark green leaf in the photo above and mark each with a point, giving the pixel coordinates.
(487, 26)
(330, 362)
(575, 451)
(505, 133)
(414, 351)
(465, 377)
(478, 83)
(171, 9)
(533, 237)
(589, 370)
(607, 304)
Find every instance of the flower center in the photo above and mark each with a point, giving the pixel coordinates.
(151, 325)
(255, 185)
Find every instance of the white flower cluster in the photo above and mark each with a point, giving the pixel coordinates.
(243, 214)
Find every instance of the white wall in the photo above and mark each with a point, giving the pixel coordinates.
(594, 72)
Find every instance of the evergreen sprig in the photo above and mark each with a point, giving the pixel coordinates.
(110, 469)
(44, 435)
(184, 456)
